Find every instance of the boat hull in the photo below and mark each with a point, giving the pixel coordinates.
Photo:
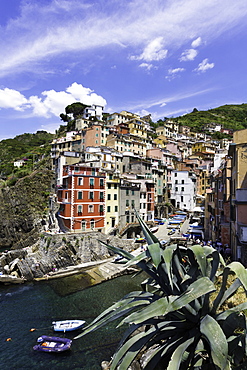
(67, 325)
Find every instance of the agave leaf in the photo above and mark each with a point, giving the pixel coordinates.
(129, 350)
(117, 250)
(165, 305)
(219, 299)
(240, 272)
(149, 236)
(239, 308)
(230, 291)
(217, 341)
(176, 358)
(215, 264)
(200, 257)
(134, 261)
(117, 310)
(167, 256)
(155, 253)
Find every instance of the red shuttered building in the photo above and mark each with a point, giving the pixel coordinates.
(82, 198)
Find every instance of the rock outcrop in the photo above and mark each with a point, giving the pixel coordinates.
(57, 251)
(23, 207)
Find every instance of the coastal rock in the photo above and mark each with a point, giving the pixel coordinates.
(22, 209)
(53, 252)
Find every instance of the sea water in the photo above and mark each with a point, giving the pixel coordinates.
(35, 305)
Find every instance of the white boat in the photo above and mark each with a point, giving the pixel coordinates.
(67, 325)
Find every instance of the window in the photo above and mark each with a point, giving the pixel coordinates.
(109, 186)
(133, 192)
(110, 177)
(101, 183)
(77, 169)
(79, 210)
(127, 219)
(115, 186)
(127, 191)
(79, 195)
(101, 196)
(90, 195)
(182, 188)
(176, 181)
(83, 225)
(101, 209)
(127, 202)
(91, 182)
(116, 208)
(115, 196)
(108, 196)
(80, 181)
(92, 224)
(108, 208)
(175, 174)
(182, 181)
(176, 188)
(182, 198)
(132, 218)
(133, 203)
(90, 208)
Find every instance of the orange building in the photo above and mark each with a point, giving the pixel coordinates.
(82, 198)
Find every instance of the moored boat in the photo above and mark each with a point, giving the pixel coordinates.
(67, 325)
(52, 344)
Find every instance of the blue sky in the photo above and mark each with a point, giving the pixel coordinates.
(163, 57)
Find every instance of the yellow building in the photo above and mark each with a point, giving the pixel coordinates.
(112, 201)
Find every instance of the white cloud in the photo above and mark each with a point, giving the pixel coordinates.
(197, 42)
(10, 98)
(153, 51)
(188, 55)
(147, 66)
(51, 102)
(175, 71)
(204, 66)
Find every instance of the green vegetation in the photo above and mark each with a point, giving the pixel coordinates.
(32, 148)
(230, 116)
(180, 319)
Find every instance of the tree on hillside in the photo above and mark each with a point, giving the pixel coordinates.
(76, 109)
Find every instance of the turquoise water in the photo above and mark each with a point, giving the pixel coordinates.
(36, 305)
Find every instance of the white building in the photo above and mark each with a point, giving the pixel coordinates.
(183, 192)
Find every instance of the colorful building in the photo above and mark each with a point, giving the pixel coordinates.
(82, 198)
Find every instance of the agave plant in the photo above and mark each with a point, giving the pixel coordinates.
(177, 318)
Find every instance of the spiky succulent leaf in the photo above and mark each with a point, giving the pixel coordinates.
(164, 305)
(149, 236)
(217, 341)
(177, 356)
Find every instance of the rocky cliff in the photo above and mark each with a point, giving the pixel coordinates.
(23, 207)
(53, 252)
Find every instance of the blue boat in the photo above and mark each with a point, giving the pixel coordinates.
(52, 344)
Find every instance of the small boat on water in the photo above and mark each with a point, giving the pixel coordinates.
(67, 325)
(52, 344)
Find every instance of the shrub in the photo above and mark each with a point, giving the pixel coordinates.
(178, 317)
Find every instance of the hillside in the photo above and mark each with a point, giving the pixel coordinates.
(230, 116)
(32, 148)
